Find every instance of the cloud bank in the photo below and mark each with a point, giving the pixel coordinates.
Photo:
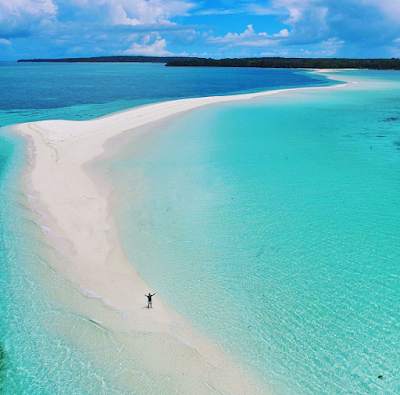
(52, 28)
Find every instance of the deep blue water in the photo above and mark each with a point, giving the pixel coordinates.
(37, 91)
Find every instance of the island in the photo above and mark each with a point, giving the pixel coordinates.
(291, 63)
(265, 62)
(113, 59)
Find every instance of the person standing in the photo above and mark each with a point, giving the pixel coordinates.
(149, 301)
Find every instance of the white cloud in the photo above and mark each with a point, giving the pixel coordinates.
(145, 12)
(213, 11)
(294, 8)
(391, 8)
(297, 8)
(363, 23)
(329, 47)
(257, 9)
(282, 33)
(368, 27)
(17, 8)
(149, 46)
(249, 38)
(27, 17)
(19, 17)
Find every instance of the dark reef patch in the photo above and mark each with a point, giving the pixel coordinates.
(391, 119)
(2, 368)
(396, 143)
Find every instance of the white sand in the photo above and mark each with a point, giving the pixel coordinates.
(82, 228)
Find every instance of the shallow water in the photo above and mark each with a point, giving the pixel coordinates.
(291, 265)
(274, 227)
(47, 343)
(35, 355)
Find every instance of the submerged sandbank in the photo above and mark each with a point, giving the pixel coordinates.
(84, 233)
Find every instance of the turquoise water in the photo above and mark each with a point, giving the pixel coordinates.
(48, 345)
(274, 227)
(45, 347)
(39, 337)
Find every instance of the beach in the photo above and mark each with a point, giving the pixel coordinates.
(83, 229)
(241, 234)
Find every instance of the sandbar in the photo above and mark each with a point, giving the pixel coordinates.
(77, 221)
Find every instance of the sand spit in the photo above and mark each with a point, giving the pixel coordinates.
(77, 221)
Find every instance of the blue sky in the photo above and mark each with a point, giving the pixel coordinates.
(219, 28)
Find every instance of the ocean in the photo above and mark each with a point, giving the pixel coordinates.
(272, 226)
(80, 91)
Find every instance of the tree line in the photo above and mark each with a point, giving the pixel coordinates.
(295, 63)
(271, 62)
(112, 59)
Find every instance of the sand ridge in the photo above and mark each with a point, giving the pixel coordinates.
(83, 229)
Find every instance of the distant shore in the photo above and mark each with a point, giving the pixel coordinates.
(108, 59)
(78, 213)
(265, 62)
(292, 63)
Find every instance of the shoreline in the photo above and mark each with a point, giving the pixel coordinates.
(77, 222)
